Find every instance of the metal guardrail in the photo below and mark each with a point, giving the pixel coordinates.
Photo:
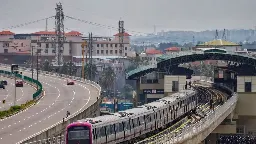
(53, 140)
(38, 93)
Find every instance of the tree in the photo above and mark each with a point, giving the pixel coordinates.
(90, 70)
(47, 66)
(71, 68)
(64, 69)
(136, 62)
(127, 91)
(107, 78)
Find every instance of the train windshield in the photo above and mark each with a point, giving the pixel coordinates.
(79, 134)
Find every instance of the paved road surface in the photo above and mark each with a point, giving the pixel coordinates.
(23, 94)
(51, 109)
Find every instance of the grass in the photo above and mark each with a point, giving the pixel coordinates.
(15, 109)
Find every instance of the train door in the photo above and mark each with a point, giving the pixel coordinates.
(127, 129)
(102, 135)
(111, 134)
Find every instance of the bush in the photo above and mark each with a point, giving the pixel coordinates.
(15, 109)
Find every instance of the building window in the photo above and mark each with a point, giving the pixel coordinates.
(102, 45)
(5, 50)
(120, 51)
(125, 54)
(38, 50)
(240, 130)
(125, 48)
(46, 51)
(6, 45)
(39, 44)
(102, 51)
(98, 51)
(106, 51)
(53, 51)
(47, 45)
(98, 45)
(111, 51)
(111, 45)
(115, 45)
(19, 50)
(106, 45)
(115, 51)
(247, 86)
(21, 44)
(175, 86)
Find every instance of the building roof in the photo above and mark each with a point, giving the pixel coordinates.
(218, 42)
(172, 49)
(6, 33)
(71, 33)
(153, 51)
(125, 34)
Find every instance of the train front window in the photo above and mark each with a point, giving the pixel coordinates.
(79, 134)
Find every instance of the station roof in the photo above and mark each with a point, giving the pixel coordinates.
(141, 71)
(218, 42)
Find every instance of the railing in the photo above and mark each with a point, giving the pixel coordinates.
(53, 140)
(38, 93)
(195, 129)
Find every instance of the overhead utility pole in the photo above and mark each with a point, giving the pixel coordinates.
(90, 47)
(60, 35)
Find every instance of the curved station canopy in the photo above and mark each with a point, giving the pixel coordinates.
(192, 56)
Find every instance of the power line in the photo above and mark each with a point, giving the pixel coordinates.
(102, 25)
(27, 23)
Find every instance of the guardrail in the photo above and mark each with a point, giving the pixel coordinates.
(194, 130)
(37, 94)
(58, 129)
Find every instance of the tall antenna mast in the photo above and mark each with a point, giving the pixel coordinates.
(60, 37)
(46, 25)
(216, 35)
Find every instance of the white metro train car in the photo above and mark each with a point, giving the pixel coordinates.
(126, 125)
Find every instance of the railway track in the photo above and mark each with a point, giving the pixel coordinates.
(192, 118)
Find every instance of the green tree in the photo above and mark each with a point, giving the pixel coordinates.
(90, 70)
(64, 69)
(136, 62)
(127, 91)
(107, 78)
(71, 68)
(47, 66)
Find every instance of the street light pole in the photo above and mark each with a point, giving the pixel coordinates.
(14, 103)
(32, 62)
(37, 67)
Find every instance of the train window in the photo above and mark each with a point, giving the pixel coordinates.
(108, 130)
(112, 129)
(120, 127)
(138, 119)
(117, 128)
(102, 132)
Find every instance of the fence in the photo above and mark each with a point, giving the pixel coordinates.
(39, 91)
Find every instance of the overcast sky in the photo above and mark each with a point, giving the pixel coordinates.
(138, 15)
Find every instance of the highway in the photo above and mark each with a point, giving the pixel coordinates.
(23, 94)
(59, 98)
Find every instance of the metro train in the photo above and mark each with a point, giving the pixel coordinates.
(124, 126)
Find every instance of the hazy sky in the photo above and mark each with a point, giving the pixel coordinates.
(138, 15)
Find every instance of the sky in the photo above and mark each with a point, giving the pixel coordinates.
(139, 16)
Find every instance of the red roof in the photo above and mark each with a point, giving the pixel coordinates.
(125, 34)
(72, 33)
(6, 33)
(172, 49)
(45, 33)
(153, 51)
